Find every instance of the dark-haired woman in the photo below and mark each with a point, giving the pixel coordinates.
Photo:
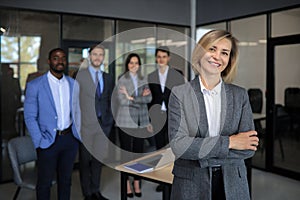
(132, 116)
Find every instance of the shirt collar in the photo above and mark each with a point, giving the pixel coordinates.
(134, 77)
(93, 70)
(165, 73)
(216, 90)
(56, 80)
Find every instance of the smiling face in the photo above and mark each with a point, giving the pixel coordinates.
(57, 62)
(216, 58)
(96, 57)
(133, 65)
(162, 58)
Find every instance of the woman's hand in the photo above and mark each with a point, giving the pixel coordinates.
(146, 92)
(150, 128)
(244, 141)
(123, 90)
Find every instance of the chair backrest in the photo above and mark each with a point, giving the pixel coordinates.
(256, 99)
(292, 97)
(20, 150)
(282, 119)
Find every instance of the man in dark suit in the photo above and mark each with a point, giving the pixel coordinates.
(161, 82)
(96, 89)
(10, 101)
(50, 113)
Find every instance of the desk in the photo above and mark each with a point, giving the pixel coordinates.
(162, 176)
(259, 116)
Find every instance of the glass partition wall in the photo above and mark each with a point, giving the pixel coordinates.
(285, 92)
(251, 33)
(27, 36)
(143, 38)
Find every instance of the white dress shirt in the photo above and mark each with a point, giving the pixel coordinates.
(212, 99)
(61, 94)
(162, 80)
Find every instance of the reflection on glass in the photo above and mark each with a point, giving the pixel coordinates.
(204, 29)
(252, 70)
(286, 22)
(287, 107)
(134, 37)
(86, 28)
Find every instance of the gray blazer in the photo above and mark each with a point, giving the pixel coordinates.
(130, 113)
(196, 152)
(95, 132)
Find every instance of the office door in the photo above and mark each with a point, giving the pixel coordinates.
(283, 106)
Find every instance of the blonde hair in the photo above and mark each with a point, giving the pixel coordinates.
(208, 40)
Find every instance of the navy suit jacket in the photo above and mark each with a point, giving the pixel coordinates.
(40, 113)
(174, 78)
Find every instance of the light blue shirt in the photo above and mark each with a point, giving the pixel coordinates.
(134, 79)
(92, 70)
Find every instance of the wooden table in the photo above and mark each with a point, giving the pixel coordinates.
(162, 176)
(259, 116)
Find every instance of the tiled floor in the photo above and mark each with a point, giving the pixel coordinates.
(265, 186)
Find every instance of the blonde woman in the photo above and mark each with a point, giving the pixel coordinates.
(210, 125)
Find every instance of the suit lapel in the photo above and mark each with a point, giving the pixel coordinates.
(70, 91)
(48, 90)
(87, 83)
(168, 79)
(226, 107)
(201, 116)
(104, 83)
(130, 86)
(157, 81)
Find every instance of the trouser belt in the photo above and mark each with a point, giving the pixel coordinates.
(65, 131)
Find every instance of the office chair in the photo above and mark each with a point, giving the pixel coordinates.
(292, 107)
(292, 97)
(22, 155)
(256, 99)
(281, 124)
(256, 102)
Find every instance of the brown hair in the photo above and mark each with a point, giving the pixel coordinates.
(206, 41)
(139, 73)
(164, 49)
(100, 46)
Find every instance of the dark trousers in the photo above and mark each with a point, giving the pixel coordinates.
(162, 137)
(159, 121)
(90, 172)
(217, 185)
(57, 159)
(130, 143)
